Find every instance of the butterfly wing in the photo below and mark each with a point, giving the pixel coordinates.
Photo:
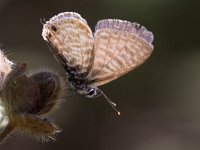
(72, 41)
(119, 47)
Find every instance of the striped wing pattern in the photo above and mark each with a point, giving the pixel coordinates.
(116, 47)
(73, 40)
(119, 47)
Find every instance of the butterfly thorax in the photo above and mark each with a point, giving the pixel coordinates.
(79, 82)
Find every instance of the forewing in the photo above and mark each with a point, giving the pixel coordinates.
(119, 47)
(71, 39)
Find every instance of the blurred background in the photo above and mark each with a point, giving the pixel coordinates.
(159, 101)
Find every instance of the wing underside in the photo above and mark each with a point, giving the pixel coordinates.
(119, 47)
(116, 48)
(72, 40)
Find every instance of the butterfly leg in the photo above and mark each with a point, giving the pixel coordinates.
(72, 92)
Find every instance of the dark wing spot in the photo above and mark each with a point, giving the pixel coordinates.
(49, 35)
(54, 28)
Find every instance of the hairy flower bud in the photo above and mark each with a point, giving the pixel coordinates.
(25, 98)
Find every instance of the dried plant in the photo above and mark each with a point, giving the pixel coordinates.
(25, 98)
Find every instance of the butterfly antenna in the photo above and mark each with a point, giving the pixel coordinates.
(42, 21)
(112, 104)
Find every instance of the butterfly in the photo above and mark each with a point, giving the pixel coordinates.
(94, 59)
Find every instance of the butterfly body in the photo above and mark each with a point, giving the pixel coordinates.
(80, 83)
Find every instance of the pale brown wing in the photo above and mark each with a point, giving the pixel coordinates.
(72, 40)
(119, 47)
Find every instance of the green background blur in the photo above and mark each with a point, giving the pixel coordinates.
(159, 101)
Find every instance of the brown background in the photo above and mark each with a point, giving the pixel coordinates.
(159, 101)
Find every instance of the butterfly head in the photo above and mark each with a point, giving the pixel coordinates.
(92, 92)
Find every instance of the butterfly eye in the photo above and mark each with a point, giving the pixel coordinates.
(91, 93)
